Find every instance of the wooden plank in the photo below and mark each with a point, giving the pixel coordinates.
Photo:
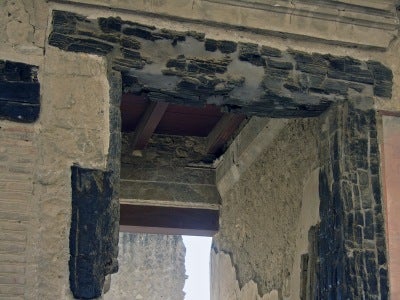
(168, 220)
(148, 123)
(223, 131)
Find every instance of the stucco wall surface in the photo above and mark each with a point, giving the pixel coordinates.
(151, 266)
(260, 214)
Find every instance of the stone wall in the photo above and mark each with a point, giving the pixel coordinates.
(151, 266)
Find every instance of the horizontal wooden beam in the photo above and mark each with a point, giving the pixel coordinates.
(148, 124)
(168, 220)
(223, 131)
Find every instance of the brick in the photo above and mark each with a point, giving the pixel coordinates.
(11, 289)
(12, 225)
(16, 216)
(12, 279)
(12, 236)
(14, 196)
(12, 258)
(11, 247)
(12, 268)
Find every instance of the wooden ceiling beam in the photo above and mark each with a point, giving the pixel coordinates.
(223, 131)
(168, 220)
(148, 124)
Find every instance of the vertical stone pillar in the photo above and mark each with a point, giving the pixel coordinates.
(95, 212)
(351, 236)
(391, 180)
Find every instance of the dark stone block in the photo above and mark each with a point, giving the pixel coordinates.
(176, 36)
(125, 65)
(65, 22)
(19, 92)
(292, 88)
(208, 66)
(358, 75)
(384, 283)
(22, 92)
(272, 52)
(335, 87)
(111, 24)
(359, 148)
(381, 256)
(349, 225)
(179, 63)
(347, 196)
(376, 189)
(380, 72)
(130, 43)
(342, 64)
(227, 46)
(310, 63)
(379, 224)
(311, 80)
(91, 245)
(196, 35)
(274, 74)
(249, 52)
(141, 33)
(284, 65)
(211, 45)
(358, 235)
(130, 54)
(19, 112)
(17, 72)
(359, 218)
(383, 89)
(90, 46)
(60, 40)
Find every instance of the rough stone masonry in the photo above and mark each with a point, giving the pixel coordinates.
(239, 77)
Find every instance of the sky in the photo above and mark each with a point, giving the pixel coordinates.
(197, 263)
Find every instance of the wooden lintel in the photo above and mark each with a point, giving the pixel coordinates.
(168, 220)
(222, 132)
(148, 123)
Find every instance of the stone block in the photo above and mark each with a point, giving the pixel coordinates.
(92, 244)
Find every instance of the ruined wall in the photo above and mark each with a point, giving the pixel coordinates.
(151, 266)
(260, 214)
(66, 134)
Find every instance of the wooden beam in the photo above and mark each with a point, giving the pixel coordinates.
(168, 220)
(148, 123)
(223, 131)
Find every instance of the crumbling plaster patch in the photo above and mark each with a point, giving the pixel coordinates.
(224, 284)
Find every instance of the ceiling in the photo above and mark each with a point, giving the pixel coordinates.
(146, 118)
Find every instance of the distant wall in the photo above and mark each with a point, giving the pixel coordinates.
(151, 266)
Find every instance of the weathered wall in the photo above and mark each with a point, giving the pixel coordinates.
(151, 266)
(66, 134)
(260, 214)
